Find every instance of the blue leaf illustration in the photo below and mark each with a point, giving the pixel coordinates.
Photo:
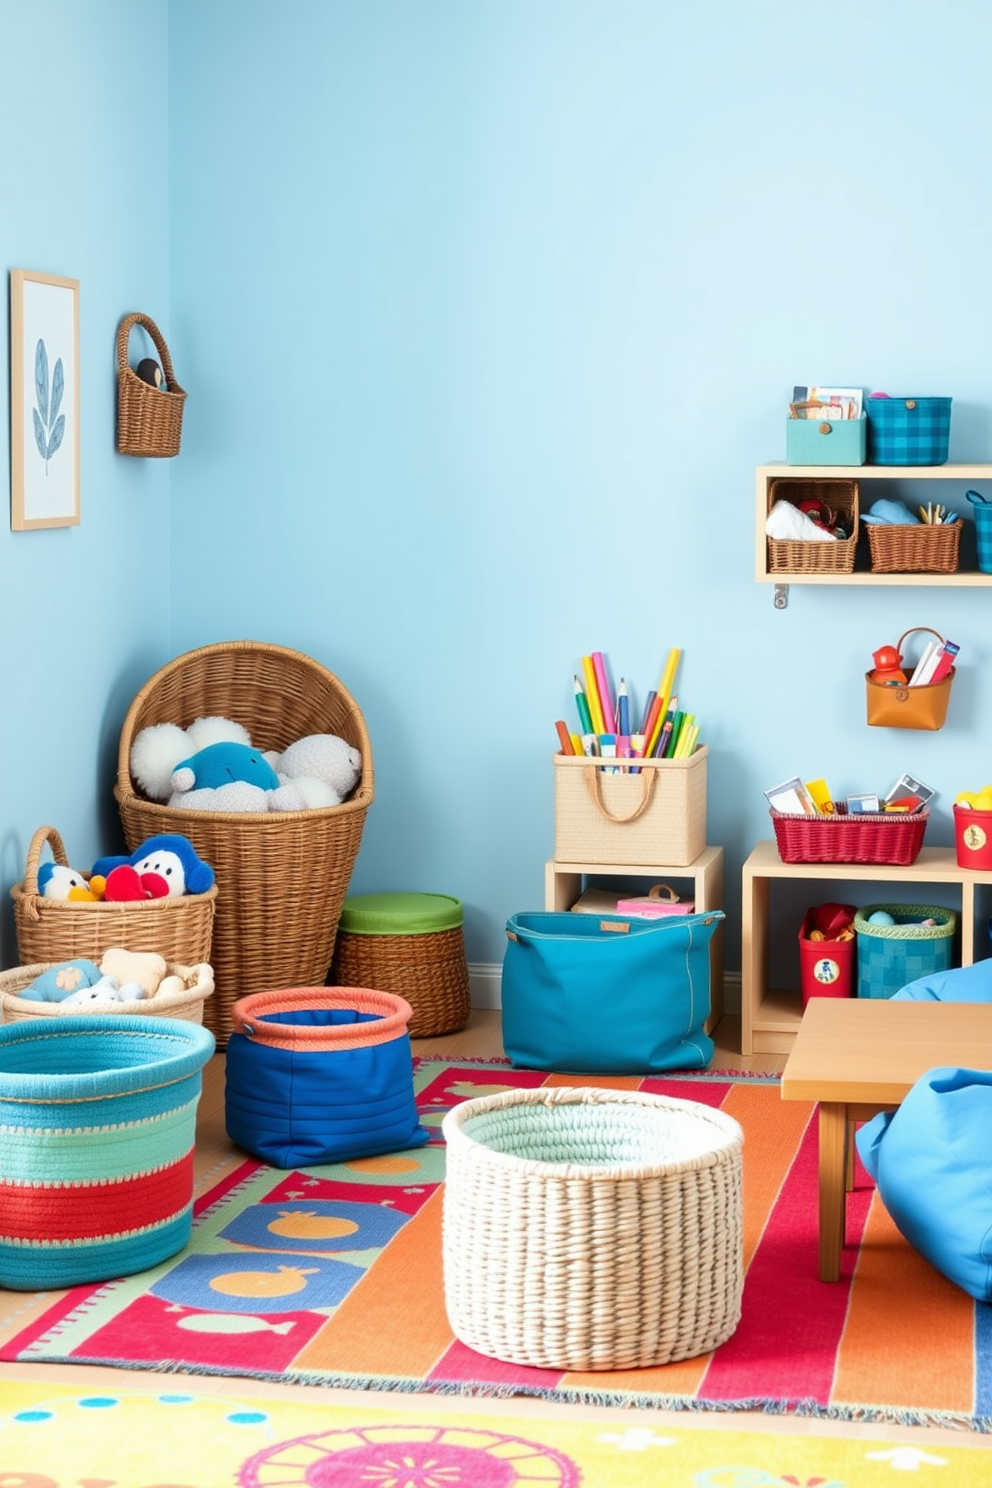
(58, 388)
(55, 438)
(41, 379)
(39, 435)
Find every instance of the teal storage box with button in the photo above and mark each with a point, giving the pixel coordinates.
(826, 441)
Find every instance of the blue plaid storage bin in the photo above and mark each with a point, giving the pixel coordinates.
(891, 956)
(908, 431)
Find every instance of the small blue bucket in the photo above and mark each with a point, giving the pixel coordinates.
(908, 431)
(983, 529)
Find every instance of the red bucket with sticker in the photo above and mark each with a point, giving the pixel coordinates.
(973, 837)
(826, 963)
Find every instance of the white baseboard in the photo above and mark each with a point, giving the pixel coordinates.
(485, 987)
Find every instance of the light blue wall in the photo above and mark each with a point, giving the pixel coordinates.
(490, 311)
(84, 611)
(487, 312)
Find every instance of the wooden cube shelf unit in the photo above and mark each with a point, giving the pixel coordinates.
(564, 883)
(770, 1017)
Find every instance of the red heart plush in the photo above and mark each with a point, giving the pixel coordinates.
(123, 885)
(154, 886)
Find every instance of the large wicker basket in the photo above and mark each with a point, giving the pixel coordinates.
(149, 419)
(589, 1229)
(187, 1003)
(179, 929)
(283, 876)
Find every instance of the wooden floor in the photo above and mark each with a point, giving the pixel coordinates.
(215, 1155)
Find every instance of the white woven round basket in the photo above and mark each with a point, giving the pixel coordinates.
(590, 1229)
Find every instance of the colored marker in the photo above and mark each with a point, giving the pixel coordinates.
(648, 704)
(592, 696)
(623, 709)
(605, 696)
(564, 737)
(585, 718)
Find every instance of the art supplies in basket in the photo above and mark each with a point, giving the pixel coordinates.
(613, 727)
(862, 829)
(911, 697)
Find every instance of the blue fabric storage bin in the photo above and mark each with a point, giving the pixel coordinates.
(891, 956)
(321, 1075)
(607, 994)
(826, 441)
(908, 431)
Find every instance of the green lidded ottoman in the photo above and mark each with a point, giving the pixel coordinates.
(410, 944)
(891, 956)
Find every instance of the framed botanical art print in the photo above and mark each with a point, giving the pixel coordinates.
(44, 401)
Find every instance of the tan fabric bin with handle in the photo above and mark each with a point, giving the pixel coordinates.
(652, 814)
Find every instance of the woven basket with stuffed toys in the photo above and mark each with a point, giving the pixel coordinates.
(122, 982)
(261, 758)
(61, 911)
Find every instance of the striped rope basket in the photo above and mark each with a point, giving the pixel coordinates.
(96, 1164)
(588, 1229)
(187, 1002)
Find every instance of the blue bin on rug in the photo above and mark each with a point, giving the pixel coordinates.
(607, 994)
(321, 1075)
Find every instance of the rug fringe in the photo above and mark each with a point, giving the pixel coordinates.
(491, 1390)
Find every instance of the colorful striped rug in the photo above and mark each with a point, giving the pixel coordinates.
(333, 1275)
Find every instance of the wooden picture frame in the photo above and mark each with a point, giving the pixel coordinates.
(44, 401)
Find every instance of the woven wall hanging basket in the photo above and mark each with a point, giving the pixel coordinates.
(180, 929)
(186, 1002)
(96, 1163)
(282, 876)
(149, 419)
(588, 1229)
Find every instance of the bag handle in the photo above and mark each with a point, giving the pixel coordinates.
(43, 835)
(123, 333)
(595, 789)
(654, 892)
(913, 628)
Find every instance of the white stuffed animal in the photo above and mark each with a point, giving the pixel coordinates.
(318, 770)
(158, 749)
(104, 992)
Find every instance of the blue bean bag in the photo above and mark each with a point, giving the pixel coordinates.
(959, 984)
(932, 1162)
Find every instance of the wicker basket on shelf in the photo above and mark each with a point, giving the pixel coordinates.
(282, 876)
(839, 498)
(868, 837)
(180, 929)
(918, 547)
(149, 419)
(186, 1003)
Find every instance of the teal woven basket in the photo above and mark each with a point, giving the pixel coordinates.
(891, 956)
(96, 1163)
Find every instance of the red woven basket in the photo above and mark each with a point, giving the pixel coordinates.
(882, 837)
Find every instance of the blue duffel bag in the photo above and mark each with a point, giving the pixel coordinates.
(607, 994)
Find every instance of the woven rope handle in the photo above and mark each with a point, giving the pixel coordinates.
(123, 334)
(595, 789)
(43, 835)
